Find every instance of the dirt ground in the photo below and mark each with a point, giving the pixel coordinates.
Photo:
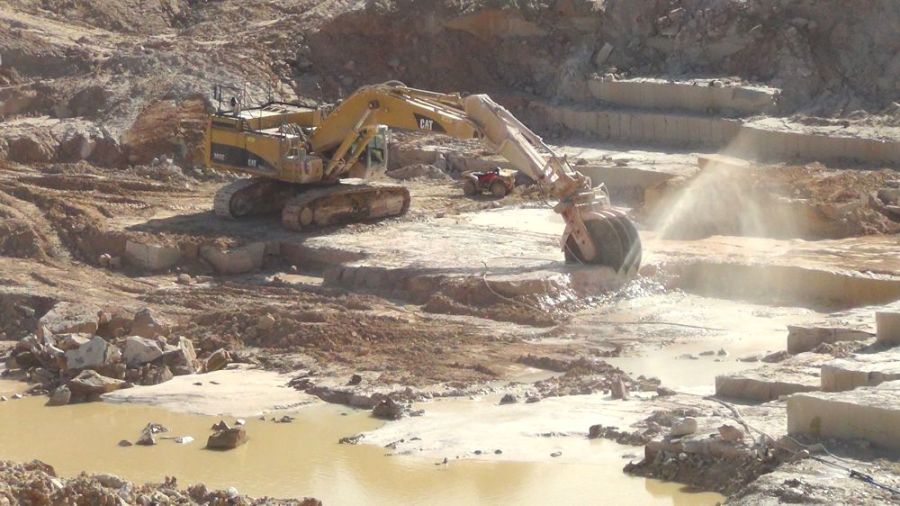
(105, 211)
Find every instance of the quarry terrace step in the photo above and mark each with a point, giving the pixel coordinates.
(698, 96)
(870, 413)
(812, 274)
(806, 337)
(861, 370)
(799, 373)
(767, 140)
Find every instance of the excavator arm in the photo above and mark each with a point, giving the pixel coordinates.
(595, 232)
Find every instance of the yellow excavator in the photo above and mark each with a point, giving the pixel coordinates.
(306, 163)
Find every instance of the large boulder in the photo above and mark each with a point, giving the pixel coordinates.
(114, 322)
(67, 317)
(93, 354)
(218, 360)
(389, 409)
(146, 324)
(90, 384)
(32, 351)
(155, 374)
(182, 358)
(227, 439)
(140, 350)
(72, 341)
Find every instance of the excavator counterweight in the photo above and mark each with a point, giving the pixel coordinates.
(302, 159)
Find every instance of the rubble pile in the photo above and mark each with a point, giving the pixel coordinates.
(584, 376)
(683, 446)
(38, 483)
(77, 358)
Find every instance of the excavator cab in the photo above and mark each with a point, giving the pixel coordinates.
(377, 150)
(374, 157)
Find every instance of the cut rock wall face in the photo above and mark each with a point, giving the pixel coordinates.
(698, 98)
(871, 413)
(802, 338)
(728, 135)
(888, 327)
(860, 371)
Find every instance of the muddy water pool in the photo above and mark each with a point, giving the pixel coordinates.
(303, 459)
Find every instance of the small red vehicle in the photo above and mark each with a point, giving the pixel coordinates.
(497, 181)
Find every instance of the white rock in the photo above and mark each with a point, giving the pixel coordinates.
(140, 350)
(684, 427)
(95, 353)
(183, 440)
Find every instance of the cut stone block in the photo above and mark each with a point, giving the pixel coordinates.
(870, 413)
(861, 370)
(802, 338)
(799, 373)
(887, 324)
(693, 96)
(151, 257)
(244, 259)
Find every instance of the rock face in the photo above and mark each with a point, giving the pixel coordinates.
(806, 338)
(140, 350)
(799, 373)
(90, 384)
(870, 413)
(888, 325)
(93, 354)
(227, 439)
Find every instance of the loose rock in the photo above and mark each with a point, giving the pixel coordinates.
(509, 399)
(731, 433)
(89, 384)
(218, 360)
(60, 396)
(140, 350)
(684, 427)
(619, 390)
(227, 439)
(388, 409)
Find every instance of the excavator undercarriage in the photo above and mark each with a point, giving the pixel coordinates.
(305, 163)
(307, 207)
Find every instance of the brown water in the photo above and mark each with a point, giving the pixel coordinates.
(304, 459)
